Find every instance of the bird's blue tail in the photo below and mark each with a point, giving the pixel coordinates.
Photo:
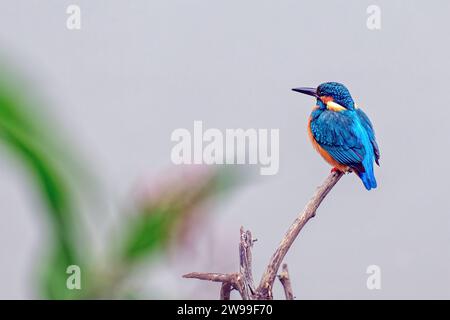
(368, 178)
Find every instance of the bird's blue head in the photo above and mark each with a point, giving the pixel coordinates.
(330, 95)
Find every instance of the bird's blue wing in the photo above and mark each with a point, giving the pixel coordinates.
(336, 133)
(365, 121)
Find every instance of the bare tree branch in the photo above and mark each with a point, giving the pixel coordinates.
(264, 290)
(229, 282)
(245, 261)
(243, 280)
(225, 291)
(216, 277)
(286, 282)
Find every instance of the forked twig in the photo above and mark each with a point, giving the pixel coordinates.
(286, 282)
(243, 280)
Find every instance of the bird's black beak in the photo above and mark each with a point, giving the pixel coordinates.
(308, 91)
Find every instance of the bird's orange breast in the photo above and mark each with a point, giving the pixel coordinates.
(327, 157)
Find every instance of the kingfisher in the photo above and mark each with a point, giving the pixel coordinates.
(341, 132)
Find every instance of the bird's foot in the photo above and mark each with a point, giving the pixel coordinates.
(336, 170)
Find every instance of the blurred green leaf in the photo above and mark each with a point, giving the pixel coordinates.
(155, 224)
(149, 233)
(46, 174)
(158, 220)
(26, 136)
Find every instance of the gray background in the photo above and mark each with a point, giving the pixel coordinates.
(140, 69)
